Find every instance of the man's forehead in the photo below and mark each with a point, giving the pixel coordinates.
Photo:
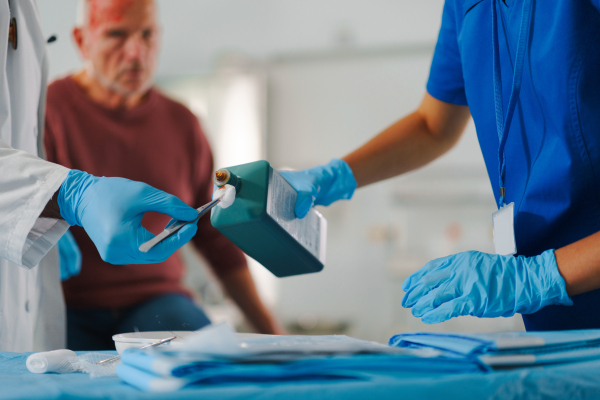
(103, 12)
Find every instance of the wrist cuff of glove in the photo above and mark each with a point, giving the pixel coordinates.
(344, 181)
(557, 292)
(70, 194)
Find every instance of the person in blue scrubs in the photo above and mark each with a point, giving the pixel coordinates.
(528, 72)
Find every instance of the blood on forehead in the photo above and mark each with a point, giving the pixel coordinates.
(102, 11)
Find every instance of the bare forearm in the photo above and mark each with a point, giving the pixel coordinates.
(579, 264)
(240, 287)
(410, 143)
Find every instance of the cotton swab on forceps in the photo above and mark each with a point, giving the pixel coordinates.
(225, 195)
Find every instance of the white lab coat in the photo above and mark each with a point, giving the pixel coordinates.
(32, 315)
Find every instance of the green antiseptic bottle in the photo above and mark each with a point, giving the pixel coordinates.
(262, 223)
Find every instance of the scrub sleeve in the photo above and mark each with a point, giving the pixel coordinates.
(446, 81)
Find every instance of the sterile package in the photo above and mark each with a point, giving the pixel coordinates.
(217, 354)
(509, 348)
(221, 341)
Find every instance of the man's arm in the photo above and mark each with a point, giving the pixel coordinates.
(412, 142)
(240, 287)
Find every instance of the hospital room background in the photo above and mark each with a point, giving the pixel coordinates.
(298, 83)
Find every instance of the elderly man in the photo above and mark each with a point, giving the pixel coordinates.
(108, 120)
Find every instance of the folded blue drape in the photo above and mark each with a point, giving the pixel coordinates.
(158, 372)
(509, 348)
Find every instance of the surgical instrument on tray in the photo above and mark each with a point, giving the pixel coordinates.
(143, 347)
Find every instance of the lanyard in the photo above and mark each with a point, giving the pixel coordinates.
(502, 124)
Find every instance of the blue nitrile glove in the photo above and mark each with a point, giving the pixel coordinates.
(321, 185)
(484, 285)
(69, 255)
(111, 210)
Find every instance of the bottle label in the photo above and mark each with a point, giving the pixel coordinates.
(310, 231)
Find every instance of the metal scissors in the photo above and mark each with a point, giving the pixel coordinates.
(176, 225)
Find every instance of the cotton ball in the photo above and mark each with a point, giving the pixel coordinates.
(227, 195)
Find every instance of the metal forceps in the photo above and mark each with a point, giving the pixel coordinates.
(176, 225)
(109, 360)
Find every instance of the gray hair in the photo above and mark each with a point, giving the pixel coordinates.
(83, 13)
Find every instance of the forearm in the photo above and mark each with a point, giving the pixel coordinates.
(579, 264)
(410, 143)
(240, 286)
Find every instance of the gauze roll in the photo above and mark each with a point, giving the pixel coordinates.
(59, 361)
(227, 195)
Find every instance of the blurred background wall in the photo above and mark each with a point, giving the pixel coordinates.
(298, 83)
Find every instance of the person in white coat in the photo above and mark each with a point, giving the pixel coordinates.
(40, 200)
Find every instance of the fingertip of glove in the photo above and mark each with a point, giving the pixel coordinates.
(303, 204)
(431, 317)
(174, 207)
(429, 321)
(166, 248)
(445, 312)
(415, 312)
(188, 231)
(406, 284)
(188, 214)
(405, 301)
(301, 213)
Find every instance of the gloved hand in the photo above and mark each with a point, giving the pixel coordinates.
(484, 285)
(321, 185)
(69, 255)
(111, 210)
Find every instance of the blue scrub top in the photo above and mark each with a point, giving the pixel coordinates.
(553, 146)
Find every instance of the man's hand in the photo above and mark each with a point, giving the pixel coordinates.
(484, 285)
(111, 211)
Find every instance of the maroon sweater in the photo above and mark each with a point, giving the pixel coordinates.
(159, 142)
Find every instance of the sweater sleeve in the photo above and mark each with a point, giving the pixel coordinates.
(49, 138)
(220, 252)
(55, 145)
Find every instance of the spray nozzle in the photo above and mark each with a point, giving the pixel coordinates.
(224, 177)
